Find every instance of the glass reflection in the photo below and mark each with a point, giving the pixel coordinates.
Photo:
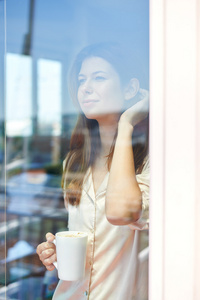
(105, 176)
(42, 40)
(49, 97)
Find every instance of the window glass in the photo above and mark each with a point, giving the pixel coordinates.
(42, 41)
(49, 96)
(18, 94)
(2, 148)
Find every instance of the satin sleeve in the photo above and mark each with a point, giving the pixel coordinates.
(143, 180)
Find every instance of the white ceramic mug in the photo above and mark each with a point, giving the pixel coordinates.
(71, 247)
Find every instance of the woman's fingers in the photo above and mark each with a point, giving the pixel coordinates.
(48, 262)
(144, 100)
(144, 94)
(50, 268)
(43, 247)
(138, 111)
(47, 252)
(142, 106)
(50, 237)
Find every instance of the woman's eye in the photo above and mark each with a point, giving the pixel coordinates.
(100, 78)
(81, 81)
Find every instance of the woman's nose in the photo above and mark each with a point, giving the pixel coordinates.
(87, 87)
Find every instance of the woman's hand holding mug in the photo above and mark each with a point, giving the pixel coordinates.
(70, 260)
(47, 252)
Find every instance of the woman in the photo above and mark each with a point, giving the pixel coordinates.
(106, 174)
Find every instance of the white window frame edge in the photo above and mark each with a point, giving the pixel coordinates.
(156, 153)
(197, 217)
(166, 22)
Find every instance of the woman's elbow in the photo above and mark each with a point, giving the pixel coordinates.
(123, 212)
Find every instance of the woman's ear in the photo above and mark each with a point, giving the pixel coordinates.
(131, 89)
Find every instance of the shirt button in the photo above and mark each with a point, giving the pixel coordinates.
(85, 293)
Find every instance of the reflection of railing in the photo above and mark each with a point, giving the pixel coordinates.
(42, 210)
(28, 288)
(31, 230)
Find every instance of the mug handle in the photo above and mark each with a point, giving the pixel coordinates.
(55, 262)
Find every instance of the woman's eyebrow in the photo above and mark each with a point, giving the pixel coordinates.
(99, 72)
(96, 72)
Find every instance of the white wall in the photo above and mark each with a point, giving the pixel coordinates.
(175, 150)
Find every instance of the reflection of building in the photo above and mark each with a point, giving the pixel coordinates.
(39, 98)
(27, 192)
(34, 206)
(34, 203)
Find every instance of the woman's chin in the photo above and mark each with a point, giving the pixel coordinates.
(101, 115)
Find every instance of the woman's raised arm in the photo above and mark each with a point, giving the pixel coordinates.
(124, 197)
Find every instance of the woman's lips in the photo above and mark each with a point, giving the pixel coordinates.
(89, 102)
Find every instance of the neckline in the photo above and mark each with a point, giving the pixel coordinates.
(102, 186)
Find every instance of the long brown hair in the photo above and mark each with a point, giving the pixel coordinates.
(85, 141)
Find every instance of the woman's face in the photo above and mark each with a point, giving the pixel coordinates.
(99, 92)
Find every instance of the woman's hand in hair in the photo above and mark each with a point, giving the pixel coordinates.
(47, 252)
(138, 111)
